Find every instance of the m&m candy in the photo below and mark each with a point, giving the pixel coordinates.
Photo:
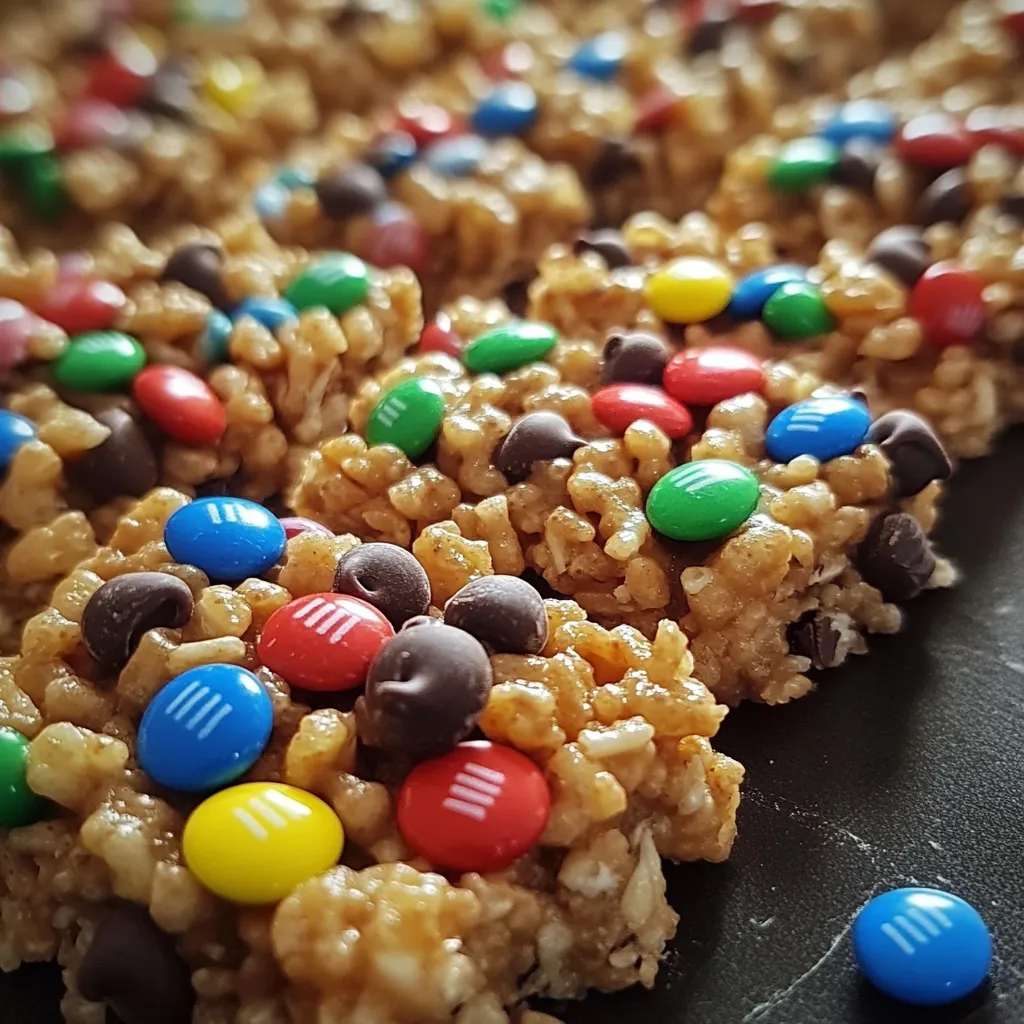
(619, 406)
(753, 290)
(948, 301)
(17, 325)
(599, 58)
(181, 404)
(205, 728)
(323, 641)
(18, 804)
(706, 376)
(256, 842)
(689, 289)
(215, 337)
(702, 500)
(271, 312)
(99, 361)
(230, 539)
(477, 808)
(797, 310)
(509, 347)
(509, 109)
(868, 119)
(337, 282)
(824, 428)
(409, 416)
(440, 336)
(938, 141)
(15, 432)
(802, 163)
(456, 157)
(294, 525)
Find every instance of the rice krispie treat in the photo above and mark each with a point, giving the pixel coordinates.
(760, 508)
(354, 785)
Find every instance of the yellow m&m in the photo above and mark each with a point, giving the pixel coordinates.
(232, 84)
(689, 289)
(256, 842)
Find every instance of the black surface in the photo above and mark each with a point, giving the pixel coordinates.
(904, 768)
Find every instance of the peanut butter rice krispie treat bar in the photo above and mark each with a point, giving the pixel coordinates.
(264, 771)
(757, 506)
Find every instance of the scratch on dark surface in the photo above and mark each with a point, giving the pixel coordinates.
(810, 818)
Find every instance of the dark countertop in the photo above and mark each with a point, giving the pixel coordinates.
(904, 768)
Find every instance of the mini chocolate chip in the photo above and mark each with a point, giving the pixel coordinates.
(859, 161)
(636, 357)
(124, 464)
(710, 34)
(1012, 204)
(916, 454)
(127, 606)
(424, 692)
(171, 93)
(815, 636)
(947, 198)
(615, 160)
(535, 437)
(896, 556)
(503, 612)
(133, 967)
(608, 243)
(351, 191)
(386, 576)
(197, 266)
(517, 296)
(902, 251)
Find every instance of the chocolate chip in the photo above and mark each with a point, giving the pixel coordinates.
(386, 576)
(947, 198)
(517, 296)
(896, 556)
(535, 437)
(351, 191)
(124, 464)
(902, 251)
(815, 636)
(503, 612)
(170, 92)
(421, 620)
(608, 243)
(424, 692)
(127, 606)
(197, 266)
(916, 454)
(1012, 204)
(615, 160)
(710, 34)
(858, 164)
(636, 357)
(133, 967)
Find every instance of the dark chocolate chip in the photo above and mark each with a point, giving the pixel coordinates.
(815, 636)
(896, 556)
(171, 93)
(615, 161)
(1012, 204)
(916, 454)
(386, 576)
(197, 266)
(710, 34)
(902, 251)
(133, 967)
(608, 243)
(947, 198)
(124, 464)
(421, 620)
(636, 357)
(535, 437)
(503, 612)
(424, 692)
(858, 164)
(124, 608)
(351, 191)
(517, 296)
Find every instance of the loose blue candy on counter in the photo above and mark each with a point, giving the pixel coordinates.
(270, 200)
(272, 313)
(15, 431)
(754, 290)
(872, 120)
(599, 58)
(230, 539)
(391, 152)
(510, 108)
(205, 728)
(216, 336)
(922, 946)
(822, 427)
(457, 157)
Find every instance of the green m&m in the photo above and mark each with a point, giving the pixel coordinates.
(508, 347)
(99, 361)
(18, 804)
(797, 310)
(702, 500)
(337, 282)
(409, 416)
(802, 163)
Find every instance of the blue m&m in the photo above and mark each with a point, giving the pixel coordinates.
(230, 539)
(456, 157)
(754, 290)
(215, 337)
(509, 109)
(271, 312)
(15, 431)
(270, 200)
(922, 946)
(599, 58)
(871, 120)
(824, 428)
(205, 728)
(391, 152)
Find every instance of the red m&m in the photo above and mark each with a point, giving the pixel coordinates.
(81, 304)
(935, 140)
(619, 406)
(440, 336)
(181, 404)
(705, 376)
(294, 525)
(323, 641)
(947, 302)
(477, 808)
